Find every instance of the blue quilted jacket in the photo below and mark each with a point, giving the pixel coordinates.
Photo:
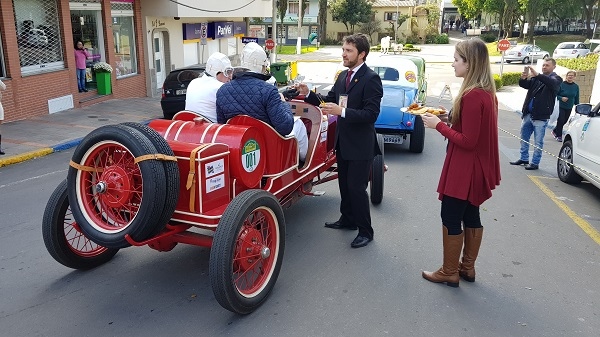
(249, 94)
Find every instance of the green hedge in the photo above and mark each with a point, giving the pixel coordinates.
(488, 37)
(506, 79)
(498, 81)
(590, 61)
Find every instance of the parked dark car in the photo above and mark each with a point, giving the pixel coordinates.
(175, 88)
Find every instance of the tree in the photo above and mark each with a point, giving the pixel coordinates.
(282, 7)
(322, 19)
(371, 27)
(350, 12)
(588, 11)
(304, 7)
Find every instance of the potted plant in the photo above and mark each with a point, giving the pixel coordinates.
(103, 72)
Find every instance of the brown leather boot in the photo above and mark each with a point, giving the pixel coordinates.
(448, 273)
(472, 243)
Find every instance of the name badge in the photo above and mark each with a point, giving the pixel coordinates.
(343, 102)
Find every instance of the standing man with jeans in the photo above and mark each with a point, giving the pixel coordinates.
(537, 108)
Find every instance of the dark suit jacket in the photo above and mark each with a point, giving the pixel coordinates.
(356, 131)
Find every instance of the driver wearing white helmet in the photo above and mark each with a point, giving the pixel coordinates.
(201, 93)
(249, 94)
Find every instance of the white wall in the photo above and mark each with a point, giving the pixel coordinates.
(217, 9)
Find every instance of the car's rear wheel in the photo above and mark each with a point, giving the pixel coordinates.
(564, 165)
(417, 137)
(63, 238)
(377, 171)
(247, 251)
(508, 61)
(526, 60)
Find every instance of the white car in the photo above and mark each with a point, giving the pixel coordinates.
(570, 50)
(579, 156)
(525, 53)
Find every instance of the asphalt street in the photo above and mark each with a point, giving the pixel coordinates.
(536, 275)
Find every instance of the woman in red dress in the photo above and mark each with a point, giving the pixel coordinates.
(471, 168)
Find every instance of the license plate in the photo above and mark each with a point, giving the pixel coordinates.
(393, 139)
(180, 92)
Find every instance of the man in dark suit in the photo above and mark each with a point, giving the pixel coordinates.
(355, 98)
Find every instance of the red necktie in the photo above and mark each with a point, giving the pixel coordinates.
(348, 78)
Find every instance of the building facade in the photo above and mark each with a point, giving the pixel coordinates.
(38, 59)
(386, 11)
(187, 32)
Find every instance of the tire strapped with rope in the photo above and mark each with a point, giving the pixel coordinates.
(117, 186)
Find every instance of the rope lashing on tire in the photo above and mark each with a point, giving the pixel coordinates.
(155, 156)
(595, 177)
(191, 181)
(85, 168)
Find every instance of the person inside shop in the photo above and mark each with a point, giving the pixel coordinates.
(81, 56)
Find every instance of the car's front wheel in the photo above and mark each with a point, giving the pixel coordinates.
(564, 165)
(526, 60)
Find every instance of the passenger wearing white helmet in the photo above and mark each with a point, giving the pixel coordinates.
(201, 93)
(249, 94)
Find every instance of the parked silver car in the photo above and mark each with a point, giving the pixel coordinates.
(525, 53)
(570, 50)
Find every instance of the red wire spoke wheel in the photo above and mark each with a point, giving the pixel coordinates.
(247, 251)
(171, 172)
(63, 238)
(112, 194)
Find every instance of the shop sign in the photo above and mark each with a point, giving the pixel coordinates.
(239, 28)
(218, 30)
(248, 39)
(194, 31)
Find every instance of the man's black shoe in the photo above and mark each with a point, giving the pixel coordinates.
(519, 162)
(360, 241)
(531, 167)
(339, 225)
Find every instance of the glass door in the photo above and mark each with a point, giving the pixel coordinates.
(86, 25)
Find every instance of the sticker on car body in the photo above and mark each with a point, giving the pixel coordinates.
(250, 155)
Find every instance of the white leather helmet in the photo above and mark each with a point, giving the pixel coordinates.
(218, 63)
(254, 57)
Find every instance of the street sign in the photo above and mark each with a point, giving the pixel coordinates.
(270, 44)
(503, 45)
(247, 39)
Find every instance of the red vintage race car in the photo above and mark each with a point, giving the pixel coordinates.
(157, 185)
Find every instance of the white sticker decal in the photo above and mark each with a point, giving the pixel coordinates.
(214, 167)
(250, 155)
(215, 183)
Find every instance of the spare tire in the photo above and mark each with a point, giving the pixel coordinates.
(111, 195)
(171, 172)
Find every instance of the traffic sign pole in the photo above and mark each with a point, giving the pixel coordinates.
(503, 46)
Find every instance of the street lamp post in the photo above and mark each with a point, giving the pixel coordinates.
(396, 23)
(299, 41)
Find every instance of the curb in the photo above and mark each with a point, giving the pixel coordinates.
(19, 158)
(25, 156)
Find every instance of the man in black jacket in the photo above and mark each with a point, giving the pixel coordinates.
(355, 98)
(537, 108)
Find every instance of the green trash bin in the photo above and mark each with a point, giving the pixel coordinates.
(279, 70)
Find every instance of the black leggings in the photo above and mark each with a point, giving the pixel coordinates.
(456, 211)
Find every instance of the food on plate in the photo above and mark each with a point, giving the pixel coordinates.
(415, 109)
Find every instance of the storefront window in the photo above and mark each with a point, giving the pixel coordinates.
(293, 32)
(38, 35)
(86, 24)
(124, 36)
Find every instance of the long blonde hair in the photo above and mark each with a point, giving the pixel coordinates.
(479, 72)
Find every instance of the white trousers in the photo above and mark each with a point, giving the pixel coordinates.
(299, 131)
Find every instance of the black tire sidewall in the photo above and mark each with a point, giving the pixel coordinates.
(222, 250)
(54, 235)
(154, 186)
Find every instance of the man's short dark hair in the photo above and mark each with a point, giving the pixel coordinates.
(551, 60)
(360, 41)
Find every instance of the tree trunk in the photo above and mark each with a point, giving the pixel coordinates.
(322, 20)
